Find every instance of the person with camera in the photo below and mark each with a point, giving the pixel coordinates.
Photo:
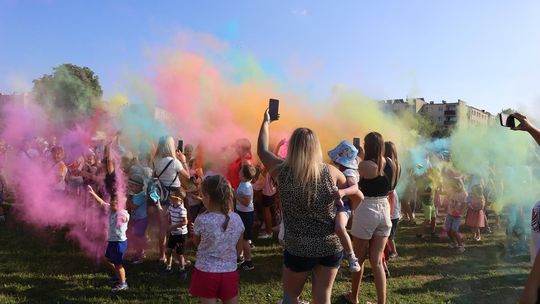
(532, 287)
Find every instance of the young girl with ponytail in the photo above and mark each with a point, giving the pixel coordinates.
(218, 235)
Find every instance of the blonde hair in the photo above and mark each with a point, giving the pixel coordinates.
(166, 147)
(304, 157)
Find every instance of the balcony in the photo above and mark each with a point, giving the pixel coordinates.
(450, 113)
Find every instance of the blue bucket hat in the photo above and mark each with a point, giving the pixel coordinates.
(344, 154)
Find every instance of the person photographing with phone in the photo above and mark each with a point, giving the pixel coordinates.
(531, 293)
(308, 189)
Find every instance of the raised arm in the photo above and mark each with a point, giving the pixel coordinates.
(98, 199)
(525, 125)
(270, 161)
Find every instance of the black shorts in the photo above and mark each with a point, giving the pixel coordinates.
(303, 264)
(393, 229)
(247, 220)
(268, 201)
(176, 241)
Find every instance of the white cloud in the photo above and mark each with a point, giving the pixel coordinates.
(299, 12)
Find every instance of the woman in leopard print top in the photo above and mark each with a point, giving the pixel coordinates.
(308, 189)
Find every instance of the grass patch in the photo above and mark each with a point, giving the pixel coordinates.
(48, 270)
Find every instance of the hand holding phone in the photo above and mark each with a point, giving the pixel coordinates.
(180, 146)
(508, 120)
(356, 143)
(273, 109)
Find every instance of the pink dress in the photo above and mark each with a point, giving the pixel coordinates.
(475, 215)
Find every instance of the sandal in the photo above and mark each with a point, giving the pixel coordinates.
(347, 298)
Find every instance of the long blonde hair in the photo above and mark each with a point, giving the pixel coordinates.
(304, 157)
(220, 193)
(165, 147)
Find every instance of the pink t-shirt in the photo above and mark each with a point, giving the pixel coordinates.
(456, 203)
(217, 250)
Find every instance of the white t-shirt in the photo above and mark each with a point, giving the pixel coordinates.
(245, 189)
(535, 231)
(217, 249)
(352, 173)
(118, 225)
(168, 175)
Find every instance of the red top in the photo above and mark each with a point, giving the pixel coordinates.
(233, 173)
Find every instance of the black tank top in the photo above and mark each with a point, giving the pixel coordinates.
(380, 185)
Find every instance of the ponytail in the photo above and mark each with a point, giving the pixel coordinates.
(220, 192)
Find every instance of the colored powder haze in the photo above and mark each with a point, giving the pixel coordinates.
(210, 94)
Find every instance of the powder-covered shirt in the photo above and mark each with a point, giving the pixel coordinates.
(118, 225)
(177, 213)
(456, 203)
(245, 189)
(60, 171)
(139, 200)
(217, 249)
(397, 208)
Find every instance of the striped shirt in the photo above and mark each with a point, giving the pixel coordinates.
(177, 213)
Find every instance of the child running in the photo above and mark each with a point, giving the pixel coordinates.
(218, 234)
(118, 224)
(246, 211)
(178, 231)
(344, 156)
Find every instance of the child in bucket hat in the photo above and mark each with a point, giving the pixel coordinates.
(344, 156)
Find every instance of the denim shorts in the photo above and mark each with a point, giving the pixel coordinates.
(305, 264)
(346, 207)
(452, 223)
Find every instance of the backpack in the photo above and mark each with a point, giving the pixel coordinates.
(155, 190)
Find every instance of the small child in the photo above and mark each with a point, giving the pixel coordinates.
(344, 156)
(457, 198)
(475, 213)
(218, 234)
(118, 224)
(246, 211)
(426, 195)
(178, 232)
(60, 169)
(139, 216)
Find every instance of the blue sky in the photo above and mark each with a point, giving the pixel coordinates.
(485, 52)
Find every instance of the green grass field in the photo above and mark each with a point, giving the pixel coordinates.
(50, 270)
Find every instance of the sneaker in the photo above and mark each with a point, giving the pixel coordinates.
(354, 266)
(452, 245)
(478, 239)
(461, 249)
(393, 256)
(183, 274)
(252, 246)
(265, 236)
(138, 260)
(240, 260)
(120, 287)
(248, 265)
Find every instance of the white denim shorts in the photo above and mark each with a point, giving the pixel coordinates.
(372, 217)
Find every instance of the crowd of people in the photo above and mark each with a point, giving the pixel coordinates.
(324, 212)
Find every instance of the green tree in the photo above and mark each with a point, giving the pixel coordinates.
(69, 94)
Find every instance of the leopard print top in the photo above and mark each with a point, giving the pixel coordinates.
(309, 228)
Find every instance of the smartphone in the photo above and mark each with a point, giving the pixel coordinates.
(180, 146)
(356, 142)
(508, 120)
(273, 109)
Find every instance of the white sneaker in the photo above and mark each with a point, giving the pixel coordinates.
(461, 249)
(354, 266)
(452, 245)
(265, 236)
